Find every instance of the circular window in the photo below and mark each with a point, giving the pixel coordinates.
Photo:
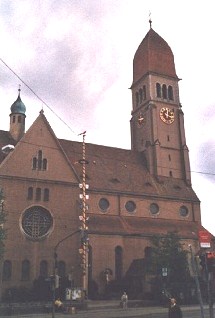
(154, 208)
(104, 204)
(130, 206)
(183, 210)
(36, 222)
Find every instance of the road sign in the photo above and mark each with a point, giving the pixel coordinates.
(204, 239)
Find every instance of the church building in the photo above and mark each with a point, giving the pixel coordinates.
(132, 194)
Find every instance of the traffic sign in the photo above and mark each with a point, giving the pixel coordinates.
(204, 239)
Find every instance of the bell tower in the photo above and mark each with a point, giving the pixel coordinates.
(157, 123)
(17, 118)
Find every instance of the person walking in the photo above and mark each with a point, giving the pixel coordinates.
(59, 305)
(124, 300)
(174, 309)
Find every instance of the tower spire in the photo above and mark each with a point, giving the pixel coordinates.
(19, 90)
(150, 20)
(17, 118)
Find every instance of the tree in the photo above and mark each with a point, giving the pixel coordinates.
(170, 265)
(2, 221)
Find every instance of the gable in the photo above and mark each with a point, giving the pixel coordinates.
(39, 155)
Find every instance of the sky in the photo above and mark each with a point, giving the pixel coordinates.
(73, 59)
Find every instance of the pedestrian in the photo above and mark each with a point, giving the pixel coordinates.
(174, 309)
(124, 300)
(59, 305)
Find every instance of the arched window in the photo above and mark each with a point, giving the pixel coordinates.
(30, 193)
(38, 194)
(137, 98)
(44, 164)
(19, 119)
(141, 95)
(90, 263)
(144, 92)
(43, 269)
(164, 91)
(61, 269)
(170, 173)
(25, 274)
(46, 194)
(34, 165)
(14, 119)
(39, 162)
(40, 154)
(7, 270)
(118, 263)
(170, 93)
(158, 90)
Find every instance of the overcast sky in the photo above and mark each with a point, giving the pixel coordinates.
(77, 57)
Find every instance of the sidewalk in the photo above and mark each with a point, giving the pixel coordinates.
(111, 309)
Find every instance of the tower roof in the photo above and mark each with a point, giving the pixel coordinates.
(153, 55)
(18, 107)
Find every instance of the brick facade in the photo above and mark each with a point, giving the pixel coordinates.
(133, 194)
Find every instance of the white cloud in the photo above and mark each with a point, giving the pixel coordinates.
(77, 56)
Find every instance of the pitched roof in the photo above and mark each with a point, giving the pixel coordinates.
(144, 227)
(153, 55)
(117, 170)
(5, 139)
(113, 169)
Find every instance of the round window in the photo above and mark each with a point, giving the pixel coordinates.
(130, 206)
(183, 210)
(104, 204)
(154, 208)
(36, 222)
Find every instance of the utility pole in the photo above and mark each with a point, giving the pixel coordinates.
(195, 271)
(83, 218)
(209, 265)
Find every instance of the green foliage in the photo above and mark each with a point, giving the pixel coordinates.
(168, 253)
(2, 221)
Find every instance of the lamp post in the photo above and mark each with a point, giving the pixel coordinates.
(195, 272)
(55, 270)
(2, 235)
(83, 218)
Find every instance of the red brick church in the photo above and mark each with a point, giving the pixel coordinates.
(133, 194)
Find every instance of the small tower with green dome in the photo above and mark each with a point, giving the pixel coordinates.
(17, 118)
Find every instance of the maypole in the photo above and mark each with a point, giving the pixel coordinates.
(83, 218)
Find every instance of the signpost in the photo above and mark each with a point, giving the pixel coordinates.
(204, 239)
(209, 265)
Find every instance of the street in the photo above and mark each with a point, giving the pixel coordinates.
(144, 312)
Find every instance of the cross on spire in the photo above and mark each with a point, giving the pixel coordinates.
(150, 20)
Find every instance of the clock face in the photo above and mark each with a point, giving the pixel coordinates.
(167, 115)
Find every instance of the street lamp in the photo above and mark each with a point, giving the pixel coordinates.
(55, 277)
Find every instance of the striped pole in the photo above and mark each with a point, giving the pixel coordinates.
(84, 227)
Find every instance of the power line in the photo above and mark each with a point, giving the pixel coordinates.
(112, 159)
(37, 96)
(33, 92)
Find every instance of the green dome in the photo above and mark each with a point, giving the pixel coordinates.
(18, 107)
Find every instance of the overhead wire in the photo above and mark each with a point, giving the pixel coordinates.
(77, 134)
(33, 92)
